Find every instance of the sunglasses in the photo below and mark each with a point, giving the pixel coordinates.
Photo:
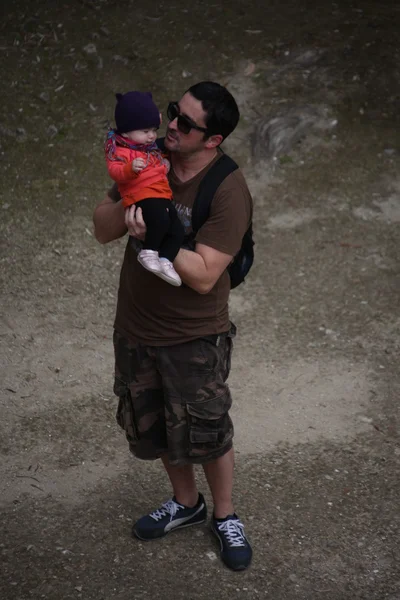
(184, 123)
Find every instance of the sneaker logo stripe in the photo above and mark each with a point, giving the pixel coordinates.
(177, 522)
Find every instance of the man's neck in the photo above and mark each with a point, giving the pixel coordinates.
(187, 166)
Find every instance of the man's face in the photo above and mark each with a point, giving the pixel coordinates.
(192, 142)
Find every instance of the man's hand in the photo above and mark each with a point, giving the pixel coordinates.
(134, 222)
(138, 164)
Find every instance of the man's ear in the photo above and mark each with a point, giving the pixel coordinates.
(213, 141)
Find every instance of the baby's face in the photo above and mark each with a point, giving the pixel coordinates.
(142, 136)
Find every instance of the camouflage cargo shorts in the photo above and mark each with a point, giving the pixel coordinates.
(174, 400)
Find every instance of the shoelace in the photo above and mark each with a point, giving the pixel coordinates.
(233, 530)
(168, 508)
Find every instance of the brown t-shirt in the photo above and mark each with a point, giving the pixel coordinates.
(158, 314)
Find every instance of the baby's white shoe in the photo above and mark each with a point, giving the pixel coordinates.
(168, 272)
(150, 260)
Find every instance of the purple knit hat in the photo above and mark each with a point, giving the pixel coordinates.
(136, 110)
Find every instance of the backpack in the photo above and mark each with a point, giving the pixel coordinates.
(243, 261)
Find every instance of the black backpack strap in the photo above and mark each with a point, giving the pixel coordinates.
(207, 188)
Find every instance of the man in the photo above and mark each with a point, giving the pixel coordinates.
(173, 344)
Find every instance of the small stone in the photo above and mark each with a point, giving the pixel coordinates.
(44, 96)
(52, 130)
(80, 66)
(365, 419)
(211, 555)
(119, 58)
(90, 49)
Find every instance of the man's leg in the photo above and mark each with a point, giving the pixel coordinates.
(219, 475)
(236, 551)
(183, 482)
(199, 430)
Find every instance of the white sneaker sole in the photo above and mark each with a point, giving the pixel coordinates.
(169, 279)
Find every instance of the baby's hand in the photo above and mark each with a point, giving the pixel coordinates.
(138, 165)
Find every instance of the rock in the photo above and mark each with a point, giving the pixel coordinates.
(6, 131)
(276, 135)
(90, 49)
(119, 58)
(80, 66)
(52, 131)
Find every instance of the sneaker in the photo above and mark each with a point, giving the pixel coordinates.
(150, 260)
(236, 551)
(169, 517)
(168, 272)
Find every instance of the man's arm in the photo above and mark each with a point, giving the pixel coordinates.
(201, 269)
(109, 219)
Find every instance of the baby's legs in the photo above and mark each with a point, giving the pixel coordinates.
(156, 216)
(173, 239)
(164, 237)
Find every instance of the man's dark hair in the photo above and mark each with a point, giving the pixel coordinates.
(222, 112)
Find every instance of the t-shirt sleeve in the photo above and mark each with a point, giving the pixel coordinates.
(230, 216)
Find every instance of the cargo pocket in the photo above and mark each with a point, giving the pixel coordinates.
(125, 414)
(210, 426)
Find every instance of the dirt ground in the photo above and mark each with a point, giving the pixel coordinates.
(315, 377)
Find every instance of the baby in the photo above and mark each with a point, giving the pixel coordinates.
(139, 168)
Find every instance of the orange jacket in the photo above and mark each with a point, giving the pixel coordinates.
(152, 182)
